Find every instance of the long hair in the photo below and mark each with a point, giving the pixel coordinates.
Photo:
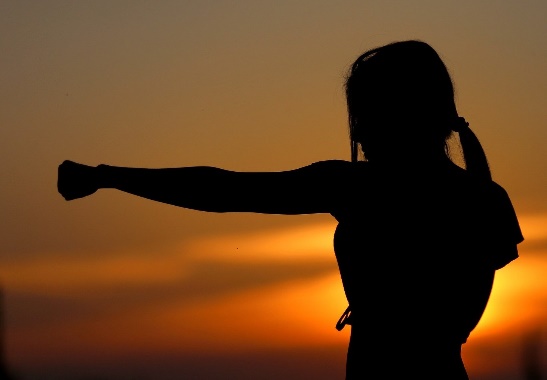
(402, 93)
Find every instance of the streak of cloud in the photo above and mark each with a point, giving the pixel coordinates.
(47, 291)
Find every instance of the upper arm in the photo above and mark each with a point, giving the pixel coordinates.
(316, 188)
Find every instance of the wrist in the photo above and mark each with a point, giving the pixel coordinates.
(103, 176)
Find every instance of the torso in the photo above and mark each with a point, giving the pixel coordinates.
(408, 251)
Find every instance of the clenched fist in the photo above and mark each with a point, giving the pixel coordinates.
(76, 180)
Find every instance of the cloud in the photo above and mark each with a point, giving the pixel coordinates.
(53, 290)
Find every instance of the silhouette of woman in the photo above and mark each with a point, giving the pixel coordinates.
(418, 238)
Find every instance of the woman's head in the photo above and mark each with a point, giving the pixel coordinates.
(400, 99)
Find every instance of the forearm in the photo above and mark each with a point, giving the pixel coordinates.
(199, 188)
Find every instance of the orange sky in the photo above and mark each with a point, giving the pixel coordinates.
(119, 285)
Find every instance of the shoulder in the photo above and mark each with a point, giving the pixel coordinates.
(501, 217)
(502, 225)
(486, 194)
(340, 166)
(331, 164)
(490, 192)
(498, 191)
(484, 189)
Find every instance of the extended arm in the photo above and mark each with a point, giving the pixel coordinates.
(312, 189)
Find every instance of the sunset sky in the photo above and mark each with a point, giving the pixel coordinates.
(117, 287)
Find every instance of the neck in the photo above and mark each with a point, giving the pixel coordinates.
(417, 159)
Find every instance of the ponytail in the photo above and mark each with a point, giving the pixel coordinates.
(473, 153)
